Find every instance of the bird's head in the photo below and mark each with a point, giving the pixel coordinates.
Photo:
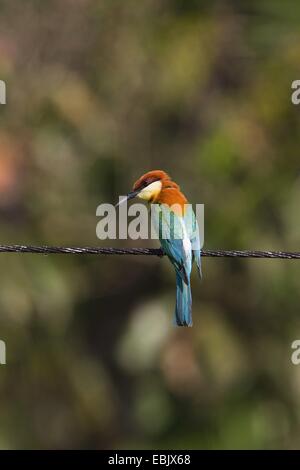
(149, 186)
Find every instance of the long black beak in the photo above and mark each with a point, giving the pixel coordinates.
(130, 195)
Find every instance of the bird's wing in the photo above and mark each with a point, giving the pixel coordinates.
(170, 229)
(194, 236)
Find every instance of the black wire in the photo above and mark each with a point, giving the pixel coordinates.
(142, 251)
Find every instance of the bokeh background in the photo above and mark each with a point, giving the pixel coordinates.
(98, 93)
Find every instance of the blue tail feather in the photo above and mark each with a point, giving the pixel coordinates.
(183, 311)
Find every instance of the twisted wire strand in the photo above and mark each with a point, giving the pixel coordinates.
(87, 250)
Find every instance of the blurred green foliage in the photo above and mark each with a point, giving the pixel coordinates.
(98, 93)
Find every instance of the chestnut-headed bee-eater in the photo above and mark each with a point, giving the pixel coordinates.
(176, 225)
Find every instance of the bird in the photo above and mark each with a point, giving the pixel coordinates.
(176, 225)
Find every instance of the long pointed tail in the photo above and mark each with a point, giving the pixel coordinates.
(183, 311)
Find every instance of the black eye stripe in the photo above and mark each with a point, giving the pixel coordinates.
(146, 182)
(150, 180)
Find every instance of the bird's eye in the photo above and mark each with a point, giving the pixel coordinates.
(146, 183)
(150, 180)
